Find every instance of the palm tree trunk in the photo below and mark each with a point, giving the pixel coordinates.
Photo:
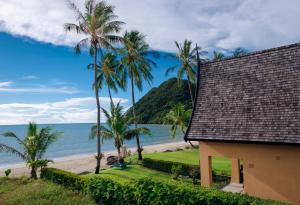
(98, 157)
(191, 92)
(119, 154)
(109, 93)
(139, 149)
(33, 172)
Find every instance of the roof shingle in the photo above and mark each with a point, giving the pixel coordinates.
(254, 98)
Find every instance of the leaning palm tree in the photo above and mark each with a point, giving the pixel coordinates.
(109, 73)
(118, 127)
(99, 26)
(178, 117)
(33, 146)
(218, 56)
(137, 66)
(188, 62)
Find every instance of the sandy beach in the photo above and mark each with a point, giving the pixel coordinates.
(86, 163)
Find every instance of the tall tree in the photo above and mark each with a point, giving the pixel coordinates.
(218, 56)
(110, 73)
(188, 62)
(137, 65)
(33, 146)
(118, 127)
(99, 25)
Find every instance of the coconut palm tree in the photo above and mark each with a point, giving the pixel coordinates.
(118, 127)
(218, 56)
(137, 66)
(99, 26)
(239, 52)
(33, 146)
(178, 117)
(109, 73)
(186, 55)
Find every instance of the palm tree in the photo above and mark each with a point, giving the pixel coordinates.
(178, 118)
(218, 56)
(99, 26)
(33, 146)
(109, 73)
(137, 66)
(188, 62)
(239, 52)
(118, 127)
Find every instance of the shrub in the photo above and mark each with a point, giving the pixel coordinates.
(176, 170)
(166, 166)
(111, 190)
(65, 178)
(7, 172)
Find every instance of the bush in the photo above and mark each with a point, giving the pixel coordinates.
(7, 172)
(147, 191)
(166, 166)
(111, 190)
(176, 170)
(67, 179)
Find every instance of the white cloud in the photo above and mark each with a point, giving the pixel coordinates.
(30, 77)
(9, 88)
(5, 84)
(72, 110)
(254, 24)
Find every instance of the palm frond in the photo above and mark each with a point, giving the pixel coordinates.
(11, 150)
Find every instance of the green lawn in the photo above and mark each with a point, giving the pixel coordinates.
(135, 171)
(219, 164)
(24, 191)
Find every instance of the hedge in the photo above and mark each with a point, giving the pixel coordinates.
(65, 178)
(166, 166)
(109, 190)
(147, 191)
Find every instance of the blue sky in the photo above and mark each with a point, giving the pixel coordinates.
(41, 78)
(48, 83)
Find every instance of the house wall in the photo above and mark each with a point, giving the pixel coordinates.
(270, 171)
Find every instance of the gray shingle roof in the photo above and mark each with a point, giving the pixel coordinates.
(254, 98)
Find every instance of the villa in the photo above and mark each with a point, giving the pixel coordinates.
(248, 109)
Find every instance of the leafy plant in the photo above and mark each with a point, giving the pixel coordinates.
(7, 172)
(176, 170)
(33, 146)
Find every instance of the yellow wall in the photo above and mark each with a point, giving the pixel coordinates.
(270, 171)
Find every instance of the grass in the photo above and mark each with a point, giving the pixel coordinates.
(220, 165)
(25, 191)
(135, 171)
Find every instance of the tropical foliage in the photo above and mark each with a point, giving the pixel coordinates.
(137, 65)
(187, 56)
(218, 56)
(110, 73)
(33, 147)
(178, 118)
(99, 26)
(119, 128)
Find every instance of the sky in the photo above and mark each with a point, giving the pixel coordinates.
(42, 80)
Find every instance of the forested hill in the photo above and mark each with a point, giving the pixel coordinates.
(153, 106)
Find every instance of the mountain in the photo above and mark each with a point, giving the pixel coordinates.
(153, 106)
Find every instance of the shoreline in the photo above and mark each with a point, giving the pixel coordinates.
(86, 162)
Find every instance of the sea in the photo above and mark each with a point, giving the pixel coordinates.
(75, 141)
